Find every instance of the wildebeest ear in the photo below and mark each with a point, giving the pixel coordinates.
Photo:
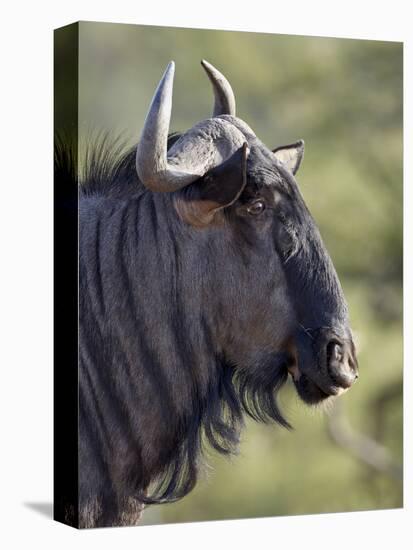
(290, 156)
(218, 189)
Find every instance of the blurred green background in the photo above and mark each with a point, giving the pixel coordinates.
(344, 98)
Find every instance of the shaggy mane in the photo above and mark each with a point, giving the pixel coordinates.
(101, 165)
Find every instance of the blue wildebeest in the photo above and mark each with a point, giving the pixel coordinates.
(204, 282)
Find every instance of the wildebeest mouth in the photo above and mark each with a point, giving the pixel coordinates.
(308, 390)
(322, 364)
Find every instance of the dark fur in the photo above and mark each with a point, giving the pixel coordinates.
(176, 326)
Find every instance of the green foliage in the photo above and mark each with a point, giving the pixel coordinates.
(344, 98)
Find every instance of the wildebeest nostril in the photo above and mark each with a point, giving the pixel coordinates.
(341, 368)
(336, 352)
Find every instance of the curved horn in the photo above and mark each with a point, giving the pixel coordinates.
(224, 96)
(204, 146)
(151, 160)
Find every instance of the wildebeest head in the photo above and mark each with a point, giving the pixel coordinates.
(274, 295)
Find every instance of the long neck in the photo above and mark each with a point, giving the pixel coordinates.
(147, 313)
(151, 379)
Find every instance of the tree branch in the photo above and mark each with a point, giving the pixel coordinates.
(362, 447)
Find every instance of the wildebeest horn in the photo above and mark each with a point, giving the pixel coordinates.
(198, 150)
(224, 96)
(151, 160)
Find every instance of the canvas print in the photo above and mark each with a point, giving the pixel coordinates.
(228, 275)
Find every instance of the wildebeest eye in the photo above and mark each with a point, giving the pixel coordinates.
(256, 208)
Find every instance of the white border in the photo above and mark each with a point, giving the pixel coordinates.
(26, 269)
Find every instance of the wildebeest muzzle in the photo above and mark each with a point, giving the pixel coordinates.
(325, 363)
